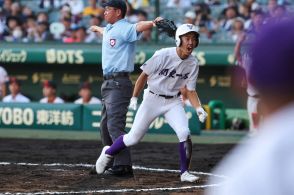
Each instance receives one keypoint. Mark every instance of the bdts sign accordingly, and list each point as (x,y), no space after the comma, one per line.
(58,56)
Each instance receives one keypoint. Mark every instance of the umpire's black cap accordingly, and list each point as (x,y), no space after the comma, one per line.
(120,4)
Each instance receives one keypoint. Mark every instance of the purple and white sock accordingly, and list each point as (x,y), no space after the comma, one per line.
(183,157)
(117,146)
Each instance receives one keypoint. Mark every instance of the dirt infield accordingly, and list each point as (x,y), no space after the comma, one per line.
(30,166)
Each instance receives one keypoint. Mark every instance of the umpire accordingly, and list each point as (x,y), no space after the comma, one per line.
(118,53)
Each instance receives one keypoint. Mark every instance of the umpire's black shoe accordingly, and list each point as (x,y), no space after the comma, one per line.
(120,171)
(93,170)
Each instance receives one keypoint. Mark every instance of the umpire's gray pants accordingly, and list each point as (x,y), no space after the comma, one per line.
(116,94)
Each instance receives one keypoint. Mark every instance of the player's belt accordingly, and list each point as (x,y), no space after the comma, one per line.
(166,96)
(116,75)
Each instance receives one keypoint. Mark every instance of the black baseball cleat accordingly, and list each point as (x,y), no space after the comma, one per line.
(93,170)
(120,171)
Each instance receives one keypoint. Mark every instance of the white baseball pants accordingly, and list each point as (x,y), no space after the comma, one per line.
(252,112)
(153,106)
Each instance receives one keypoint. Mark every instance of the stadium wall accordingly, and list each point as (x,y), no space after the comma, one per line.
(70,64)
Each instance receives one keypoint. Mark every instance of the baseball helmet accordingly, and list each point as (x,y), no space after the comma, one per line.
(184,29)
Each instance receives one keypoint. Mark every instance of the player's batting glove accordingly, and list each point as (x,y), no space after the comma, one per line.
(134,103)
(201,114)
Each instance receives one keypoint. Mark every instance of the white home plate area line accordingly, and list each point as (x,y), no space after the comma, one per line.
(112,190)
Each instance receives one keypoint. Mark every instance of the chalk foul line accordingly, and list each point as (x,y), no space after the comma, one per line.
(112,190)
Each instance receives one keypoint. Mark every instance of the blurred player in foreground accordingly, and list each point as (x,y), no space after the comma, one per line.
(15,92)
(264,164)
(168,71)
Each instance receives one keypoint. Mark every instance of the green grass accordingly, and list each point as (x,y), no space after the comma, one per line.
(206,137)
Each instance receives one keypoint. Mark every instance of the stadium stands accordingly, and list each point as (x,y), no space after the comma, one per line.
(211,15)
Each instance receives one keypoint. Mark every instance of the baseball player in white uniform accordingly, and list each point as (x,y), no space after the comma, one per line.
(244,61)
(253,98)
(15,93)
(241,53)
(166,72)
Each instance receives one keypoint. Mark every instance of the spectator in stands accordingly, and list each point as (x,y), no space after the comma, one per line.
(27,12)
(94,37)
(3,80)
(76,9)
(212,2)
(180,4)
(257,20)
(41,33)
(93,9)
(143,16)
(15,10)
(271,6)
(237,29)
(49,93)
(15,92)
(248,23)
(65,12)
(42,17)
(85,94)
(76,6)
(139,4)
(230,14)
(14,32)
(30,26)
(280,13)
(7,7)
(207,25)
(2,23)
(50,4)
(131,15)
(190,17)
(68,30)
(244,11)
(80,35)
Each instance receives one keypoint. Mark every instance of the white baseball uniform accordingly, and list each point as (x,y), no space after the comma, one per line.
(18,98)
(93,100)
(167,74)
(57,100)
(253,98)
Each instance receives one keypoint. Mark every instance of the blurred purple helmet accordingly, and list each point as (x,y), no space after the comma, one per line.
(272,52)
